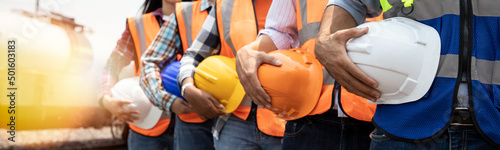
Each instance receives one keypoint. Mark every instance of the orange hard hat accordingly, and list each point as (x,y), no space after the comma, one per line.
(295,86)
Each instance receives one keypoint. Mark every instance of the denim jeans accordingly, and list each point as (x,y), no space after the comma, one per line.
(138,141)
(244,135)
(327,131)
(193,136)
(455,138)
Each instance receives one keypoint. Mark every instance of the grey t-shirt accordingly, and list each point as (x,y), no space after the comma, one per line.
(359,9)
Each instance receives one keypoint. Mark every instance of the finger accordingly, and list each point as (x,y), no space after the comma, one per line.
(202,117)
(128,119)
(247,86)
(187,110)
(268,59)
(344,35)
(218,107)
(133,111)
(249,89)
(244,77)
(253,96)
(357,87)
(121,118)
(133,118)
(124,102)
(355,71)
(259,93)
(358,74)
(186,104)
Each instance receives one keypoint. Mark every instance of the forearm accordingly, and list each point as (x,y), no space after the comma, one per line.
(263,43)
(157,56)
(335,18)
(121,56)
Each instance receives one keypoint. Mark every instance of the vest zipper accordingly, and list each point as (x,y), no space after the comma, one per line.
(464,70)
(255,16)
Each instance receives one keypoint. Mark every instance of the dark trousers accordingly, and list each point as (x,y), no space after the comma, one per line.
(327,131)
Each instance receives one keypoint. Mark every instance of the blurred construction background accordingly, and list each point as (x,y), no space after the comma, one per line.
(62,46)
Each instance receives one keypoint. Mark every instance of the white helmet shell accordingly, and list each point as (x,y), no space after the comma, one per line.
(401,54)
(129,89)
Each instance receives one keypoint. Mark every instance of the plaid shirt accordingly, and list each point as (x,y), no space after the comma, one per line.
(207,41)
(159,54)
(121,56)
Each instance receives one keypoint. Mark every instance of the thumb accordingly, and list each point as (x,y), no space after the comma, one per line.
(124,102)
(266,58)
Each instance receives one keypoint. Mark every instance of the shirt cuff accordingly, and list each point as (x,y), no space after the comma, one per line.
(184,72)
(169,103)
(101,95)
(281,40)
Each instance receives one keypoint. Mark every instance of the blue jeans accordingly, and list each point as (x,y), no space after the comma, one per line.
(138,141)
(455,138)
(244,135)
(193,136)
(327,131)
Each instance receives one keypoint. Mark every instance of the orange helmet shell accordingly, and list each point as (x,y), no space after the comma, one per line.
(295,86)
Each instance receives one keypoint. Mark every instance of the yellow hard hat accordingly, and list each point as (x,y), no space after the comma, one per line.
(217,76)
(295,86)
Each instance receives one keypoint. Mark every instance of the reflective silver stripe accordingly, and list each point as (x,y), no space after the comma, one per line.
(247,101)
(227,10)
(219,125)
(448,66)
(429,9)
(484,71)
(310,30)
(187,13)
(303,12)
(327,78)
(139,27)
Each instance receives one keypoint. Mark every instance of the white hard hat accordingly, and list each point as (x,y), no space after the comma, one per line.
(401,54)
(129,89)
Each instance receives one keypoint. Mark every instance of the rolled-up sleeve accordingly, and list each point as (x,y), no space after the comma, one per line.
(281,24)
(159,54)
(359,9)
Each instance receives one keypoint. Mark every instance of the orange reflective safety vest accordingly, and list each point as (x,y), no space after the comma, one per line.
(189,21)
(309,14)
(238,26)
(143,29)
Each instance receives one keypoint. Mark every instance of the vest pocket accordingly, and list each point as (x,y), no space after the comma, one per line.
(295,128)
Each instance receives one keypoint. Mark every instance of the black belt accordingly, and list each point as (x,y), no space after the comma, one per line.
(461,117)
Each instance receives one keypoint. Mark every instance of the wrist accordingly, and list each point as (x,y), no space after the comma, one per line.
(184,86)
(105,100)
